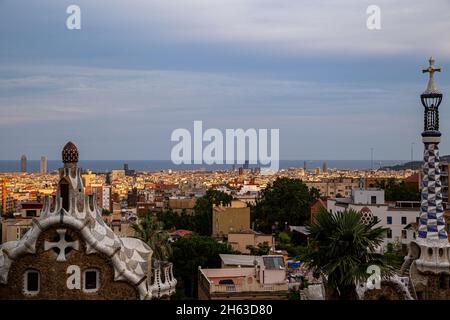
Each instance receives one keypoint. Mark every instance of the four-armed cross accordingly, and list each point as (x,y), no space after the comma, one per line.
(62,244)
(431,88)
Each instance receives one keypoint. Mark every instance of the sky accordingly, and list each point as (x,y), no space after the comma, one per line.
(139,69)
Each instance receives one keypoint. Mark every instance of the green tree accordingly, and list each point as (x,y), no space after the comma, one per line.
(193,251)
(398,191)
(9,214)
(341,249)
(173,220)
(150,230)
(202,219)
(286,200)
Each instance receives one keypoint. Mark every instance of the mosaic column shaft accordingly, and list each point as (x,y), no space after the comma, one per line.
(432,225)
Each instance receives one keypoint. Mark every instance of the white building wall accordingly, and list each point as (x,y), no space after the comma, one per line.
(361,196)
(388,218)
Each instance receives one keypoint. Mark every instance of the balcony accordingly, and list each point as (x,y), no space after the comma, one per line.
(231,288)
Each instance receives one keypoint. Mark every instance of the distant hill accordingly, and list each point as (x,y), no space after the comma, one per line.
(412,165)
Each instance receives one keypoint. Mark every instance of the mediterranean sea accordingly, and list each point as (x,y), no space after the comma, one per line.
(159,165)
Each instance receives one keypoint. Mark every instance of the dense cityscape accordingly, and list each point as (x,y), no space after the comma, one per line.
(234,96)
(175,204)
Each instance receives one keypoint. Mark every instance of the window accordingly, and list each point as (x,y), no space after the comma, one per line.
(403,234)
(32,282)
(91,280)
(373,200)
(403,220)
(273,263)
(64,190)
(31,213)
(389,220)
(389,234)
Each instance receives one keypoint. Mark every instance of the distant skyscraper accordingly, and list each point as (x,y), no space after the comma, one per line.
(128,172)
(43,168)
(325,167)
(23,163)
(246,164)
(304,165)
(108,179)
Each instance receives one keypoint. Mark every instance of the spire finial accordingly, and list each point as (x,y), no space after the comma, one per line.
(431,87)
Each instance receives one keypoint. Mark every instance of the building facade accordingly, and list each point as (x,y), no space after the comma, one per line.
(241,241)
(233,218)
(265,280)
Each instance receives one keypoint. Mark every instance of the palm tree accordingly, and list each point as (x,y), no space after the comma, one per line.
(341,249)
(150,230)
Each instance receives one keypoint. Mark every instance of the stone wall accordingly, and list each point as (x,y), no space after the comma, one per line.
(387,291)
(436,287)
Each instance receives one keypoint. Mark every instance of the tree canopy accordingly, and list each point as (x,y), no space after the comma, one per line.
(398,191)
(285,201)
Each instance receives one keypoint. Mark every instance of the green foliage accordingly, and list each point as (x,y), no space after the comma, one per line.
(202,219)
(398,191)
(286,200)
(395,255)
(284,241)
(294,295)
(9,214)
(193,251)
(284,238)
(259,250)
(150,230)
(173,220)
(341,248)
(106,212)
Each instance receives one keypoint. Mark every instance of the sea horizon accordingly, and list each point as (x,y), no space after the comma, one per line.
(9,166)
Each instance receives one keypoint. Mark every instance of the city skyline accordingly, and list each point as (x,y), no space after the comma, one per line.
(332,87)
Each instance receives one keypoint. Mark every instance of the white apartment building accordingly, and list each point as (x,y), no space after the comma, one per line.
(398,217)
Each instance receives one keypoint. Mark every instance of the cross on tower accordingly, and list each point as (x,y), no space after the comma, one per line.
(431,88)
(62,244)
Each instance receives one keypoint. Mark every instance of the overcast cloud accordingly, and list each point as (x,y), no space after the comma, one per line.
(139,69)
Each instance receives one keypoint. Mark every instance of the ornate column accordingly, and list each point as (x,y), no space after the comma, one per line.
(432,236)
